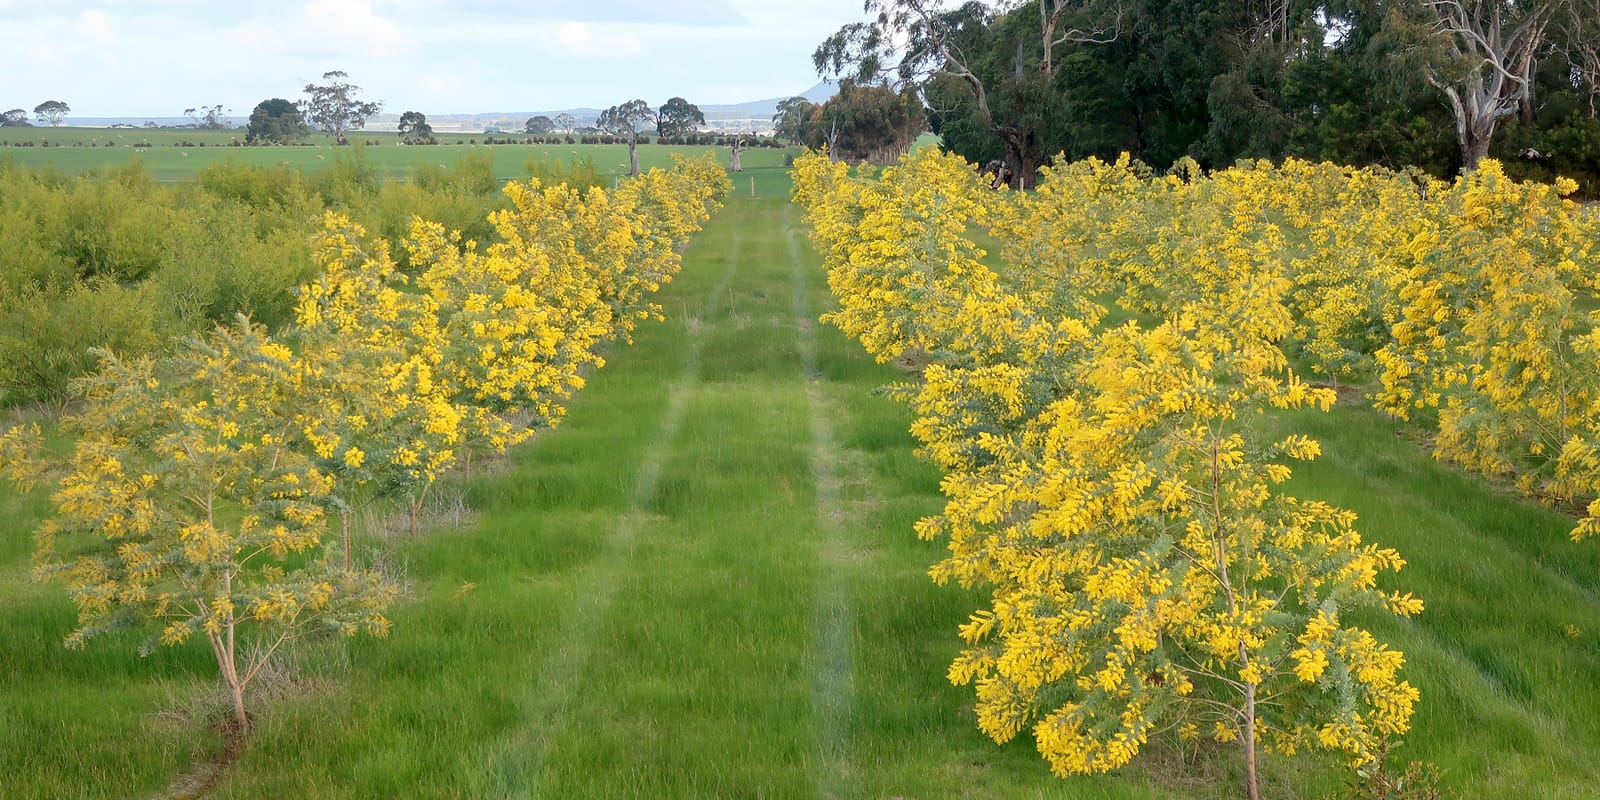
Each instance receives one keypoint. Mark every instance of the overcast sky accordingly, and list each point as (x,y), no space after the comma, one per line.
(112,58)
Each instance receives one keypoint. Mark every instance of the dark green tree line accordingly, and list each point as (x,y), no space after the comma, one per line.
(1436,84)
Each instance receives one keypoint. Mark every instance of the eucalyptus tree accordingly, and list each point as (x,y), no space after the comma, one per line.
(1010,81)
(334,107)
(51,112)
(1481,55)
(678,117)
(626,120)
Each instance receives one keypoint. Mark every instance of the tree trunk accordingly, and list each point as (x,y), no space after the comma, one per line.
(241,719)
(633,155)
(1474,149)
(1251,790)
(1138,130)
(738,150)
(344,526)
(222,646)
(1023,162)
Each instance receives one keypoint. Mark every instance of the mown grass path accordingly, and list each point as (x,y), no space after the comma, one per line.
(705,584)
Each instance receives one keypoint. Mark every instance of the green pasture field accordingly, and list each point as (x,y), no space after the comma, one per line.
(705,584)
(75,150)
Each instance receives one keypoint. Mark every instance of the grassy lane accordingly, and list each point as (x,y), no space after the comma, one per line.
(517,763)
(727,667)
(833,689)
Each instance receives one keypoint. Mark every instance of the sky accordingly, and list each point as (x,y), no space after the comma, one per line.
(139,58)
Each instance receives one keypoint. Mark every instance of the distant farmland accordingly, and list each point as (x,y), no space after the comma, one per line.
(180,153)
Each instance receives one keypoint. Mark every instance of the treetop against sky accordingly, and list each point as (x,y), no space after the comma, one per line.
(158,57)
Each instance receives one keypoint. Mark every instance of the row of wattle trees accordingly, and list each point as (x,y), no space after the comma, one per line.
(113,258)
(200,488)
(1470,305)
(1113,484)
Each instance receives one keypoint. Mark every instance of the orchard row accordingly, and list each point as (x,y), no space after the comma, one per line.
(198,490)
(1116,484)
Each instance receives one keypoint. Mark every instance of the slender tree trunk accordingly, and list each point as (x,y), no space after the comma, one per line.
(633,155)
(413,507)
(344,529)
(240,717)
(1247,736)
(1138,130)
(230,678)
(222,646)
(1251,790)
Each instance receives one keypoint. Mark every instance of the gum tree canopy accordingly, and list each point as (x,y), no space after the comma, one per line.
(276,120)
(333,105)
(678,117)
(625,121)
(51,112)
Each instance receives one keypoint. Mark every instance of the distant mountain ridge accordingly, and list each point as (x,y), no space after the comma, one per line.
(749,116)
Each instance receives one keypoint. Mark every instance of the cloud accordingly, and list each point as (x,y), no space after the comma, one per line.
(677,12)
(435,88)
(327,27)
(579,39)
(94,25)
(42,55)
(94,28)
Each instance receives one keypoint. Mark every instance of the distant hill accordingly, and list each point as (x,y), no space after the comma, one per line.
(753,116)
(816,94)
(140,122)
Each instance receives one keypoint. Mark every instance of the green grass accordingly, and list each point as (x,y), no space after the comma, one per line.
(75,150)
(1507,654)
(705,584)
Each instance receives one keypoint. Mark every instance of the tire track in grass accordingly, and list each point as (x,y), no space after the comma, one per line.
(514,766)
(833,684)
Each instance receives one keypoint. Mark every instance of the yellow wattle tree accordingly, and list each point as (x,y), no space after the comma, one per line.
(1149,574)
(1497,333)
(186,508)
(372,353)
